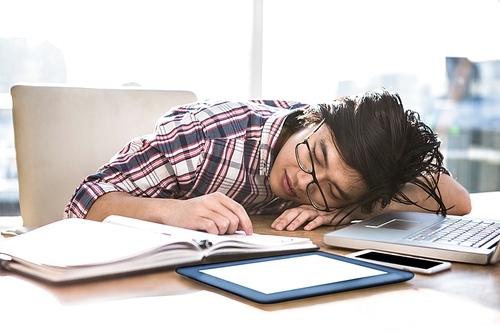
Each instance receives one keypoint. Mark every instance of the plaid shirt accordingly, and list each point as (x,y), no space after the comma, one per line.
(198,149)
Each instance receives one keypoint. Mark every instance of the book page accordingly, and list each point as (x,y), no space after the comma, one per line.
(76,242)
(216,242)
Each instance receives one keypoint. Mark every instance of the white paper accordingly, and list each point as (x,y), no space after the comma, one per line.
(291,273)
(75,242)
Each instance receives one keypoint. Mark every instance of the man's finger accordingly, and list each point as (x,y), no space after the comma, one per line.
(244,222)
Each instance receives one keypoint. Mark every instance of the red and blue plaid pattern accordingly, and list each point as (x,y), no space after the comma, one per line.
(198,149)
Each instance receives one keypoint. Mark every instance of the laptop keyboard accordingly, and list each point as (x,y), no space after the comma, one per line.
(460,231)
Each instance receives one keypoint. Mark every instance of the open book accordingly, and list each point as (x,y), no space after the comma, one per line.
(76,249)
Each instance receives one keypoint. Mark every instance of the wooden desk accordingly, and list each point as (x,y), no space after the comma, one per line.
(460,300)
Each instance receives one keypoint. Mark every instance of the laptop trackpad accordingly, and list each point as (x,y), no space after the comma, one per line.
(396,224)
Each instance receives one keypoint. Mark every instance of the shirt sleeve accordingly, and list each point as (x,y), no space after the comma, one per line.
(161,165)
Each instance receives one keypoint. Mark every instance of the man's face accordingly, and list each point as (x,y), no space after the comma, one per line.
(339,183)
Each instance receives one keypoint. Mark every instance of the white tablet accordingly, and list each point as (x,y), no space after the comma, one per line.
(288,277)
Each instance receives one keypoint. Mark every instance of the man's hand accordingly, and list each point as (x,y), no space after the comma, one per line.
(293,218)
(214,213)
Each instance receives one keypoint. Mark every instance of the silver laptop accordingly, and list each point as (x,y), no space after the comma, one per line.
(452,238)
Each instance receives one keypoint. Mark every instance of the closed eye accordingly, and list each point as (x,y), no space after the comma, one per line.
(330,192)
(318,163)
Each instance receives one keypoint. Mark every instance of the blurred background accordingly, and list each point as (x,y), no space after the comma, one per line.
(443,57)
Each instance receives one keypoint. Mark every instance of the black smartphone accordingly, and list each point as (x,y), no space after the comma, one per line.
(400,261)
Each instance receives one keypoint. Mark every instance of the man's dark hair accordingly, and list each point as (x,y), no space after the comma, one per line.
(388,146)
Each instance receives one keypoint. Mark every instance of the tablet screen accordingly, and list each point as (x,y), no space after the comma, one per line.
(291,273)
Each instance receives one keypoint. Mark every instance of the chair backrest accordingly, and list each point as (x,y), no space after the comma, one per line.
(63,134)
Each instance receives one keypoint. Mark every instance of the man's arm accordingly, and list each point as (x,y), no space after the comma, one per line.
(454,196)
(215,213)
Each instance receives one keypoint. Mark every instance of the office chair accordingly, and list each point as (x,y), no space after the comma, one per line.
(63,134)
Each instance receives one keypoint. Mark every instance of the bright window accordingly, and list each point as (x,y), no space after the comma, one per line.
(312,51)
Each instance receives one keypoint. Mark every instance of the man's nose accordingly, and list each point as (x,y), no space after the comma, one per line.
(303,179)
(321,176)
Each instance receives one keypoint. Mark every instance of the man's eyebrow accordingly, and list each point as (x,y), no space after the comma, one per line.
(324,149)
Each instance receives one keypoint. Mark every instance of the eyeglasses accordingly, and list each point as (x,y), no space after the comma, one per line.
(305,161)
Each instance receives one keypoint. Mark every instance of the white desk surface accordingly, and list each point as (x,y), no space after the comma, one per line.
(463,299)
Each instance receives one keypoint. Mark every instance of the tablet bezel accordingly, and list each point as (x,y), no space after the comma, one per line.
(392,276)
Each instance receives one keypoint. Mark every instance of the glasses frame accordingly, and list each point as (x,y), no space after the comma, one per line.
(311,172)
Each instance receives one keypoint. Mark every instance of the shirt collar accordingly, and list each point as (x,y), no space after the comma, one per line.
(270,133)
